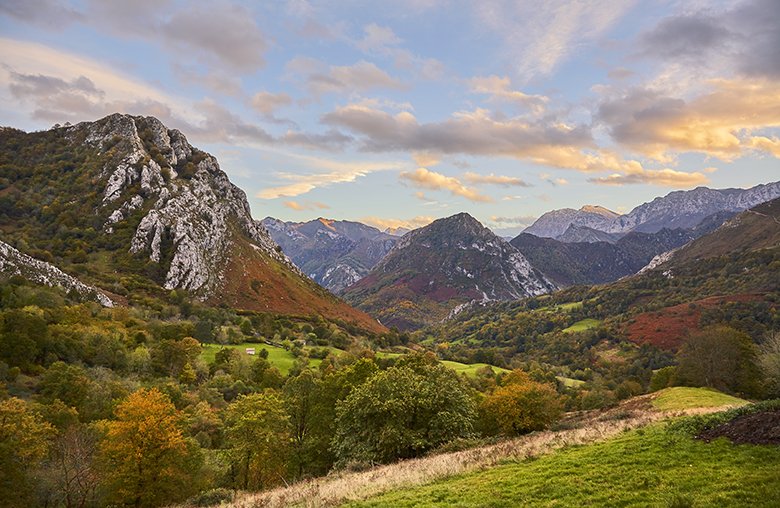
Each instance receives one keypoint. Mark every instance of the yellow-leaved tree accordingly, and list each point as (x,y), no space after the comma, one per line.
(520,405)
(146,460)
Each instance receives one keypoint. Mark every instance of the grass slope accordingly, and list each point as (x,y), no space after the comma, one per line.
(646,467)
(582,325)
(683,397)
(277,356)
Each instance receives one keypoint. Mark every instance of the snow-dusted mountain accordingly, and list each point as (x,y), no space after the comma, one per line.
(336,254)
(553,224)
(436,268)
(678,209)
(685,209)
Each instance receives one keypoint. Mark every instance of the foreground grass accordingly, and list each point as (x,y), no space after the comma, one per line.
(682,397)
(344,487)
(645,467)
(582,325)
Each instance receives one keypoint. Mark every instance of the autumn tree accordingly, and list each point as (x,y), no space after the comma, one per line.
(403,412)
(519,406)
(24,442)
(257,434)
(722,358)
(70,477)
(145,456)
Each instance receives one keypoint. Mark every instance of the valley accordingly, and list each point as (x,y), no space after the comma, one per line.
(447,362)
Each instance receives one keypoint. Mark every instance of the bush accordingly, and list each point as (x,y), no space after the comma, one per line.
(211,497)
(520,406)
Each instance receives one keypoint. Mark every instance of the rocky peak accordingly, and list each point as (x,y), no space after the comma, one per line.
(190,208)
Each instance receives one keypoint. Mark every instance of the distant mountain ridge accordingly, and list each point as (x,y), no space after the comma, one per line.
(678,209)
(598,262)
(335,254)
(436,268)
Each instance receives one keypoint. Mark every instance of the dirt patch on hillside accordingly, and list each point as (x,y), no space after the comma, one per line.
(666,328)
(757,428)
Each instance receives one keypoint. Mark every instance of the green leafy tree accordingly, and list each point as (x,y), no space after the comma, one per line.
(146,459)
(722,358)
(403,412)
(769,361)
(257,433)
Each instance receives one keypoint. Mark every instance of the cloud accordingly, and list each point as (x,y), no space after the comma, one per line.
(538,36)
(266,102)
(308,205)
(718,122)
(48,13)
(377,38)
(426,159)
(500,88)
(548,142)
(222,35)
(744,38)
(427,179)
(320,79)
(523,220)
(383,223)
(334,172)
(493,179)
(216,81)
(663,177)
(552,180)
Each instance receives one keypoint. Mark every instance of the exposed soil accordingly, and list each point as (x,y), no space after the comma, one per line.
(757,428)
(666,328)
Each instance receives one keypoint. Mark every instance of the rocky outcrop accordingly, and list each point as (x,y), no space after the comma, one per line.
(190,207)
(15,263)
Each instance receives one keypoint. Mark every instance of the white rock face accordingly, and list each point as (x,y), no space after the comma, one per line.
(13,262)
(189,222)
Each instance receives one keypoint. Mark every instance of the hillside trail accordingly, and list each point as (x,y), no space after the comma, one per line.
(582,427)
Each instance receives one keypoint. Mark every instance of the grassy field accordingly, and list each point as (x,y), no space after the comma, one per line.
(570,382)
(582,325)
(470,369)
(646,467)
(682,397)
(284,360)
(277,356)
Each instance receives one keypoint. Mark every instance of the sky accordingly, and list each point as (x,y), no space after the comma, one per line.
(397,113)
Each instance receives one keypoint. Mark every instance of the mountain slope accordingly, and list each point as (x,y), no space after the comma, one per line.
(434,269)
(334,253)
(15,263)
(126,196)
(751,230)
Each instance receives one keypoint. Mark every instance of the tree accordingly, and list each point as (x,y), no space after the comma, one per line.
(257,433)
(145,457)
(722,358)
(403,412)
(70,477)
(521,405)
(24,442)
(769,361)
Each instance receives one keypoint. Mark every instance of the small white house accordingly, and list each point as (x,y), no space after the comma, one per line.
(250,350)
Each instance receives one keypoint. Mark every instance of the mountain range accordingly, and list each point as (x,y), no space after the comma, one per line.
(335,254)
(433,270)
(678,209)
